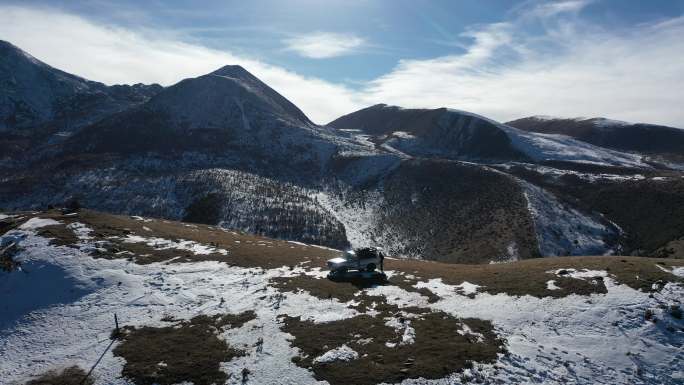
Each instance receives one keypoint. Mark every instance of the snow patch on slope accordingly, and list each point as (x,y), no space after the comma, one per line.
(402,327)
(546,117)
(600,339)
(163,244)
(562,230)
(358,220)
(343,353)
(558,173)
(604,122)
(545,147)
(37,223)
(360,214)
(678,271)
(551,285)
(80,294)
(81,231)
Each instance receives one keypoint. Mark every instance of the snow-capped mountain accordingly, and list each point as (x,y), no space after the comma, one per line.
(33,93)
(42,105)
(225,148)
(227,113)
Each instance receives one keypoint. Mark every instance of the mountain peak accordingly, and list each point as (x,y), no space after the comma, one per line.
(234,71)
(223,94)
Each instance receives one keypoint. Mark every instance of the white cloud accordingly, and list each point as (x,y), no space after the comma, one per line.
(552,8)
(116,55)
(571,69)
(565,68)
(323,45)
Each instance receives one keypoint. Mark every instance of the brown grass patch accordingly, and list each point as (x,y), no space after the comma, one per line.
(438,350)
(60,235)
(8,224)
(345,289)
(220,321)
(69,376)
(188,351)
(322,288)
(529,277)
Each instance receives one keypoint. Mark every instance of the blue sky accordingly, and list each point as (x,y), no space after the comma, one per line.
(501,58)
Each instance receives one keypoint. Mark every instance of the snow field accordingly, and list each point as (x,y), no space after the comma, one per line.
(602,338)
(75,330)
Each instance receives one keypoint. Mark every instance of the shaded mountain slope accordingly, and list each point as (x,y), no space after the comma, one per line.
(454,134)
(41,105)
(648,209)
(33,93)
(439,132)
(228,113)
(439,210)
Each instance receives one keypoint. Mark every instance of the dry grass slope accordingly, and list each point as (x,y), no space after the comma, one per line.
(527,277)
(187,351)
(440,346)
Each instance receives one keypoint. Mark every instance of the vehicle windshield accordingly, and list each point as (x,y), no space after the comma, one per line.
(350,256)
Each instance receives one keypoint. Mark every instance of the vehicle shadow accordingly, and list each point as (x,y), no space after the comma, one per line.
(360,279)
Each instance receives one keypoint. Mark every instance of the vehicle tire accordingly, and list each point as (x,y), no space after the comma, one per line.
(370,267)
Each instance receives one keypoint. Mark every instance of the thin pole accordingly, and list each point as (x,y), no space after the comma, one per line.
(116,323)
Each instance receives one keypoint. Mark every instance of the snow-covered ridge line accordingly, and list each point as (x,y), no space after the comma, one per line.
(544,147)
(588,176)
(601,122)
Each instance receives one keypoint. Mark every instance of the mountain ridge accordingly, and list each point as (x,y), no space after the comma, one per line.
(41,90)
(226,149)
(647,138)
